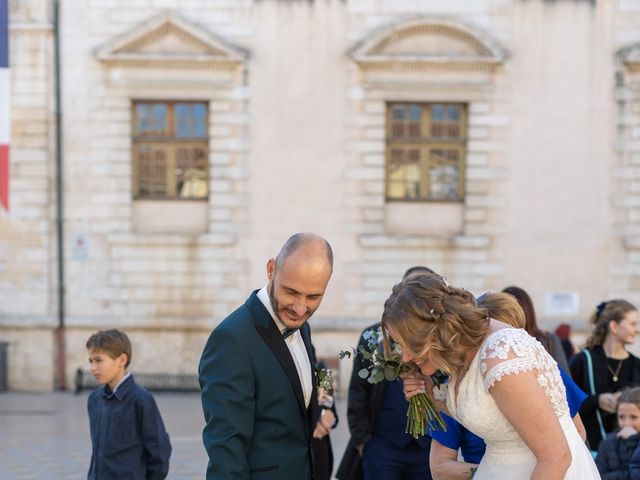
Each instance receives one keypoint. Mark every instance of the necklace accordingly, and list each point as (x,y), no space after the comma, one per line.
(615,374)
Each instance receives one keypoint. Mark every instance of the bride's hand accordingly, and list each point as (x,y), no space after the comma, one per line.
(413,385)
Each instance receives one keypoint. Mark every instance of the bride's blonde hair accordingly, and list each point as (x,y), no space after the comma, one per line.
(434,318)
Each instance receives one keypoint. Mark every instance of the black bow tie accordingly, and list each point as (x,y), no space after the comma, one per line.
(288,332)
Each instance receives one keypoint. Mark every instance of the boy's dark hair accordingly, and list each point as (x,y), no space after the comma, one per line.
(112,342)
(630,395)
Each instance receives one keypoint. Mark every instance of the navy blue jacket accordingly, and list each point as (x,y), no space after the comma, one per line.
(614,456)
(634,465)
(129,441)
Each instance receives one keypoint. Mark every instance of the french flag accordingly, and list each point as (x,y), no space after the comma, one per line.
(5,125)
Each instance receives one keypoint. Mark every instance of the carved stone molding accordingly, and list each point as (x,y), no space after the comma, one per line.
(629,57)
(171,41)
(459,47)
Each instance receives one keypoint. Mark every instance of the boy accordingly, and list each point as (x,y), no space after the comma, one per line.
(127,434)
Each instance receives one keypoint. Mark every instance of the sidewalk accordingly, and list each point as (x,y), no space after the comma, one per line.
(46,436)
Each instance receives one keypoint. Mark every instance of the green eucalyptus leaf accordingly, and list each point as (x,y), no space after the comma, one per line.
(390,373)
(364,373)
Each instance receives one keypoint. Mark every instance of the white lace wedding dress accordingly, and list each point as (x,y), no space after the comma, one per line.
(507,456)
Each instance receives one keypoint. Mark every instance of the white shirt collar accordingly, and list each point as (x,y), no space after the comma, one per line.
(124,377)
(263,296)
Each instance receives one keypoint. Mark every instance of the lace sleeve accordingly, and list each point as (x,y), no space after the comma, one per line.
(508,352)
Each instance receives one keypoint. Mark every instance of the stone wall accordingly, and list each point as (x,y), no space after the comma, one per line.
(297,95)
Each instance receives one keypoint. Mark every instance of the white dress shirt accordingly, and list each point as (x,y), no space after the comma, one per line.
(124,377)
(296,347)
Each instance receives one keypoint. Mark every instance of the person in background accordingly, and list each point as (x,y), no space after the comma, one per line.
(564,334)
(549,341)
(615,451)
(445,444)
(128,437)
(379,448)
(605,366)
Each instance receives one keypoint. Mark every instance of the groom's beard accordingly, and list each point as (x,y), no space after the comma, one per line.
(275,305)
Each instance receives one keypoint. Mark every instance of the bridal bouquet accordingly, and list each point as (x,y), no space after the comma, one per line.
(382,367)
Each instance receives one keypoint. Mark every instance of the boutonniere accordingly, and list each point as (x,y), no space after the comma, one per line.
(324,379)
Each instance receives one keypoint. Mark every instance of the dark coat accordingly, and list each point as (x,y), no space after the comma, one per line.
(321,447)
(364,404)
(634,465)
(552,344)
(257,425)
(614,456)
(580,374)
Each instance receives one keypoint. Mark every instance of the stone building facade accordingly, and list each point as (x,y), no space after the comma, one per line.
(323,115)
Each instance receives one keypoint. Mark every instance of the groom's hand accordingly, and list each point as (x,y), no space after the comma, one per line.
(325,423)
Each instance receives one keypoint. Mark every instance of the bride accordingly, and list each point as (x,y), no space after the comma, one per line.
(503,385)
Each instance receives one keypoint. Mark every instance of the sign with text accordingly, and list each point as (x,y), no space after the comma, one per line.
(561,304)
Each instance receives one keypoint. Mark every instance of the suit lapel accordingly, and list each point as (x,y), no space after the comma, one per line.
(273,338)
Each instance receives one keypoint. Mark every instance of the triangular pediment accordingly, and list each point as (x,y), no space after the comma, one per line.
(170,40)
(428,42)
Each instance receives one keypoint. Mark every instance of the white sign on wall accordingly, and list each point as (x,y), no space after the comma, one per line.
(80,247)
(561,304)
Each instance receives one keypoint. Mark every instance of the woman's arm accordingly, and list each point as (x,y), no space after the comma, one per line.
(526,406)
(445,465)
(577,421)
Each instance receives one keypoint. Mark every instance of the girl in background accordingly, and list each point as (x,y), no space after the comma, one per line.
(605,366)
(616,450)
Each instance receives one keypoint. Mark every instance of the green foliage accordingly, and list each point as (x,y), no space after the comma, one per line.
(387,365)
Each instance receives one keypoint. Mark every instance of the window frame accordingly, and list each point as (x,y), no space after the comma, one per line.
(424,144)
(170,144)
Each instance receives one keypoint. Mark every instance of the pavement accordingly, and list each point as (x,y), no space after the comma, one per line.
(45,436)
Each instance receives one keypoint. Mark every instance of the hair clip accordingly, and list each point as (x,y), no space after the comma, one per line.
(601,306)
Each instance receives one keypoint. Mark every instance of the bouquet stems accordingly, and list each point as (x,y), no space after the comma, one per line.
(421,411)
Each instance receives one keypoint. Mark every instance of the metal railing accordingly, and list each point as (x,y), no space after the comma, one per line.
(159,382)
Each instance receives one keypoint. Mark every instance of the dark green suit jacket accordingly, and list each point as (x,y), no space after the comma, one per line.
(257,426)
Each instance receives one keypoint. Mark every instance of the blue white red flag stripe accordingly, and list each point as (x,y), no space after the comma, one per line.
(5,119)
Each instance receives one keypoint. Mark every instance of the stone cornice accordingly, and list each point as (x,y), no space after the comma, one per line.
(30,27)
(160,61)
(489,55)
(397,62)
(629,57)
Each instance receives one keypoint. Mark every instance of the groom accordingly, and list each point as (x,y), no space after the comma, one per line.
(256,373)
